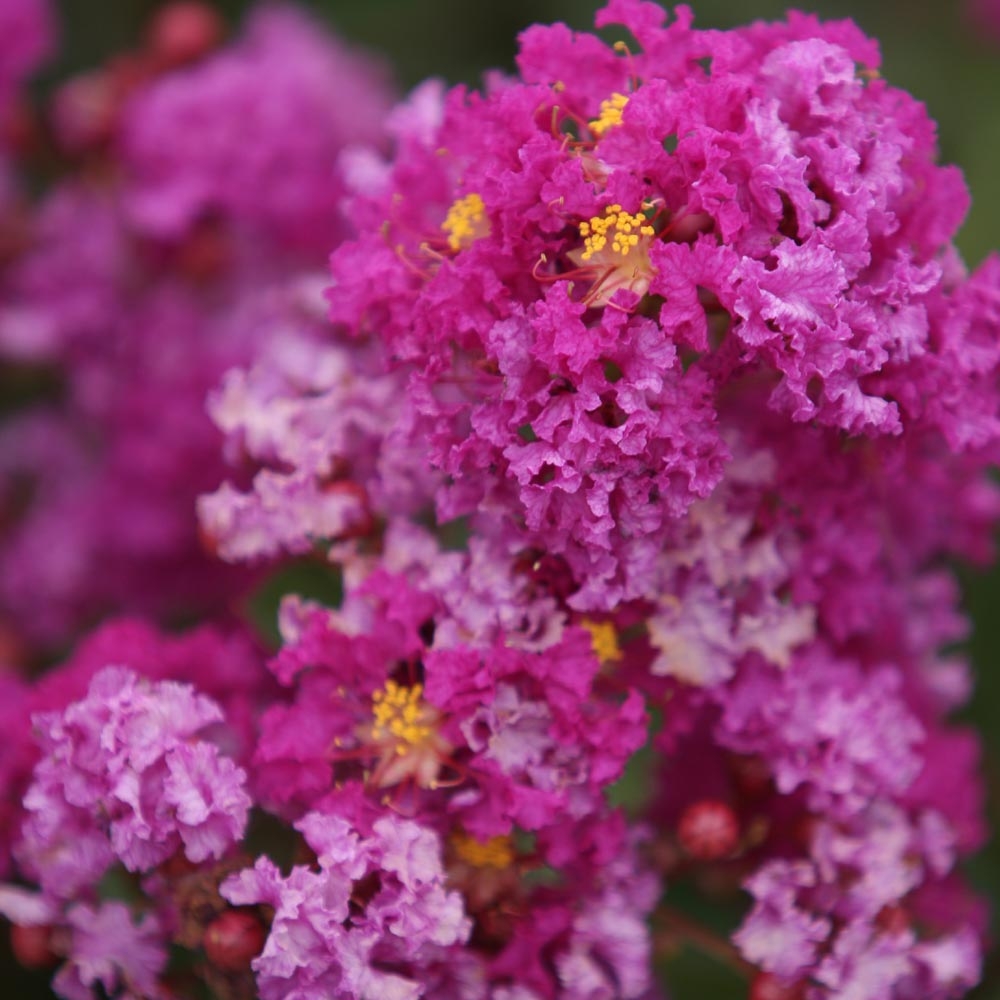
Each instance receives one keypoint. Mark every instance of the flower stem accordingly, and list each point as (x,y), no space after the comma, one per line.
(671,925)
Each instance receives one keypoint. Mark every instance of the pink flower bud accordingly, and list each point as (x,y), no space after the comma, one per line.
(32,945)
(769,987)
(708,830)
(184,31)
(232,939)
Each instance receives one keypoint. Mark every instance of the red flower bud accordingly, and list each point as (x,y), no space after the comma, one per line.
(769,987)
(32,946)
(708,830)
(232,939)
(184,31)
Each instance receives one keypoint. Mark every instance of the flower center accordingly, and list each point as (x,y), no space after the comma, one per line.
(622,229)
(466,222)
(603,640)
(497,852)
(615,252)
(610,116)
(401,717)
(405,734)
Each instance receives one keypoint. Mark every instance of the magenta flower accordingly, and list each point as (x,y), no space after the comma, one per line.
(321,945)
(180,252)
(652,408)
(122,778)
(27,31)
(185,143)
(597,264)
(110,950)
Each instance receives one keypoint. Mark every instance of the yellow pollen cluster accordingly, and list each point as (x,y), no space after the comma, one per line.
(603,640)
(466,221)
(610,116)
(496,852)
(620,227)
(400,715)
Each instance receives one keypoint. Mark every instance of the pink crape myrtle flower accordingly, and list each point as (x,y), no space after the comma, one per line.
(236,681)
(320,945)
(181,249)
(27,29)
(636,430)
(123,778)
(682,333)
(126,779)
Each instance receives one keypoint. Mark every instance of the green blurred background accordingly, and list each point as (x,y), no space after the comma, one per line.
(932,48)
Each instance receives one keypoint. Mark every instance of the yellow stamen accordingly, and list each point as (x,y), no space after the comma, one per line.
(497,852)
(610,116)
(400,715)
(405,734)
(466,222)
(621,228)
(603,640)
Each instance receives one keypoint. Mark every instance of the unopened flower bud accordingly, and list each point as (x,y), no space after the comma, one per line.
(232,939)
(708,830)
(767,986)
(184,31)
(32,945)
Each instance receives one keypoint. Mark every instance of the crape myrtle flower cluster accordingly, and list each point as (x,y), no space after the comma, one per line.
(647,409)
(169,250)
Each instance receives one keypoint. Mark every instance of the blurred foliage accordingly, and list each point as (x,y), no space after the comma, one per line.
(930,48)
